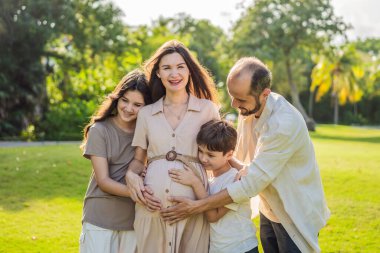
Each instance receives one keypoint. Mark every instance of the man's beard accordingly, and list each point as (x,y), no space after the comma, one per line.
(254,110)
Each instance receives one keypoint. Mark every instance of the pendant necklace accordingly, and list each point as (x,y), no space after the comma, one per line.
(180,115)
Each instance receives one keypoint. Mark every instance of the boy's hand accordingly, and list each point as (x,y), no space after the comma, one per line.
(185,177)
(234,162)
(241,173)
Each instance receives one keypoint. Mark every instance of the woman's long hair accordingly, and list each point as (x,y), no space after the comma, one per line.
(134,81)
(200,82)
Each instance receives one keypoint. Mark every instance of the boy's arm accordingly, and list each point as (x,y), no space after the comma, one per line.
(214,215)
(198,188)
(187,177)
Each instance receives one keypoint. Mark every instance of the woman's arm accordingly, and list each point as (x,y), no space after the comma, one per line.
(105,183)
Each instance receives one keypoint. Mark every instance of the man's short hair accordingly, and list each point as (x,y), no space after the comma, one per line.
(217,135)
(261,76)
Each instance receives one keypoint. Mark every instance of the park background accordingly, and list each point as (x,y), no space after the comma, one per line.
(60,58)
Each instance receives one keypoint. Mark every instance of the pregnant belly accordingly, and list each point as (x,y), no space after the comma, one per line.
(157,178)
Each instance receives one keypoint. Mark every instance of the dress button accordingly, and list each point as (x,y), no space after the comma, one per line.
(167,190)
(173,148)
(170,244)
(173,135)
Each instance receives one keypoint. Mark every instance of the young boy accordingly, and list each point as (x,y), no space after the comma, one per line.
(231,227)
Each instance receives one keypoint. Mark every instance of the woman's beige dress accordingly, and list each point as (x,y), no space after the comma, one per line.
(154,134)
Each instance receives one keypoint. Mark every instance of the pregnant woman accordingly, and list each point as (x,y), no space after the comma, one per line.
(183,95)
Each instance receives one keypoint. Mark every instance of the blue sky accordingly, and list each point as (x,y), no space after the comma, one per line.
(363,15)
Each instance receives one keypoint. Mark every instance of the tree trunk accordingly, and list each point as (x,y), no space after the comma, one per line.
(311,103)
(295,97)
(336,109)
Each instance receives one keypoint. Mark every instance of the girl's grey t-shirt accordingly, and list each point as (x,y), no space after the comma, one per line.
(102,209)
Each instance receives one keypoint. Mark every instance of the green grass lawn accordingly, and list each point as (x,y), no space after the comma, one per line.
(349,160)
(42,188)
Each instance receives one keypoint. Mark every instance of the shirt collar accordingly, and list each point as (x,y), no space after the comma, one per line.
(268,108)
(194,105)
(158,106)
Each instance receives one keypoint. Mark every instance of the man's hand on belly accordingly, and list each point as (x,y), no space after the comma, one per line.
(183,209)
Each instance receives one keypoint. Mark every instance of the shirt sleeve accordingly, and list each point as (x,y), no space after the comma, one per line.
(274,150)
(233,206)
(140,138)
(215,112)
(96,144)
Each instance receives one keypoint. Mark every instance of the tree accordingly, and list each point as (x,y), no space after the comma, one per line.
(25,29)
(371,48)
(88,58)
(56,38)
(340,73)
(281,30)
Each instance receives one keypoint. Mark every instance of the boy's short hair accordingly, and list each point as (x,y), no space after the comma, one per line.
(217,135)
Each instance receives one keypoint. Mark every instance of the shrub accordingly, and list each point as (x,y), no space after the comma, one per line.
(65,121)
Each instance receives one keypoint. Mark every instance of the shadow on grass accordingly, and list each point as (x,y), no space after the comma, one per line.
(34,173)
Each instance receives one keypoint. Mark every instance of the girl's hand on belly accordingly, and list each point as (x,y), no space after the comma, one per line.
(152,203)
(135,186)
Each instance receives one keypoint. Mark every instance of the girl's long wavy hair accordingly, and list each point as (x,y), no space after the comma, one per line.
(134,81)
(200,83)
